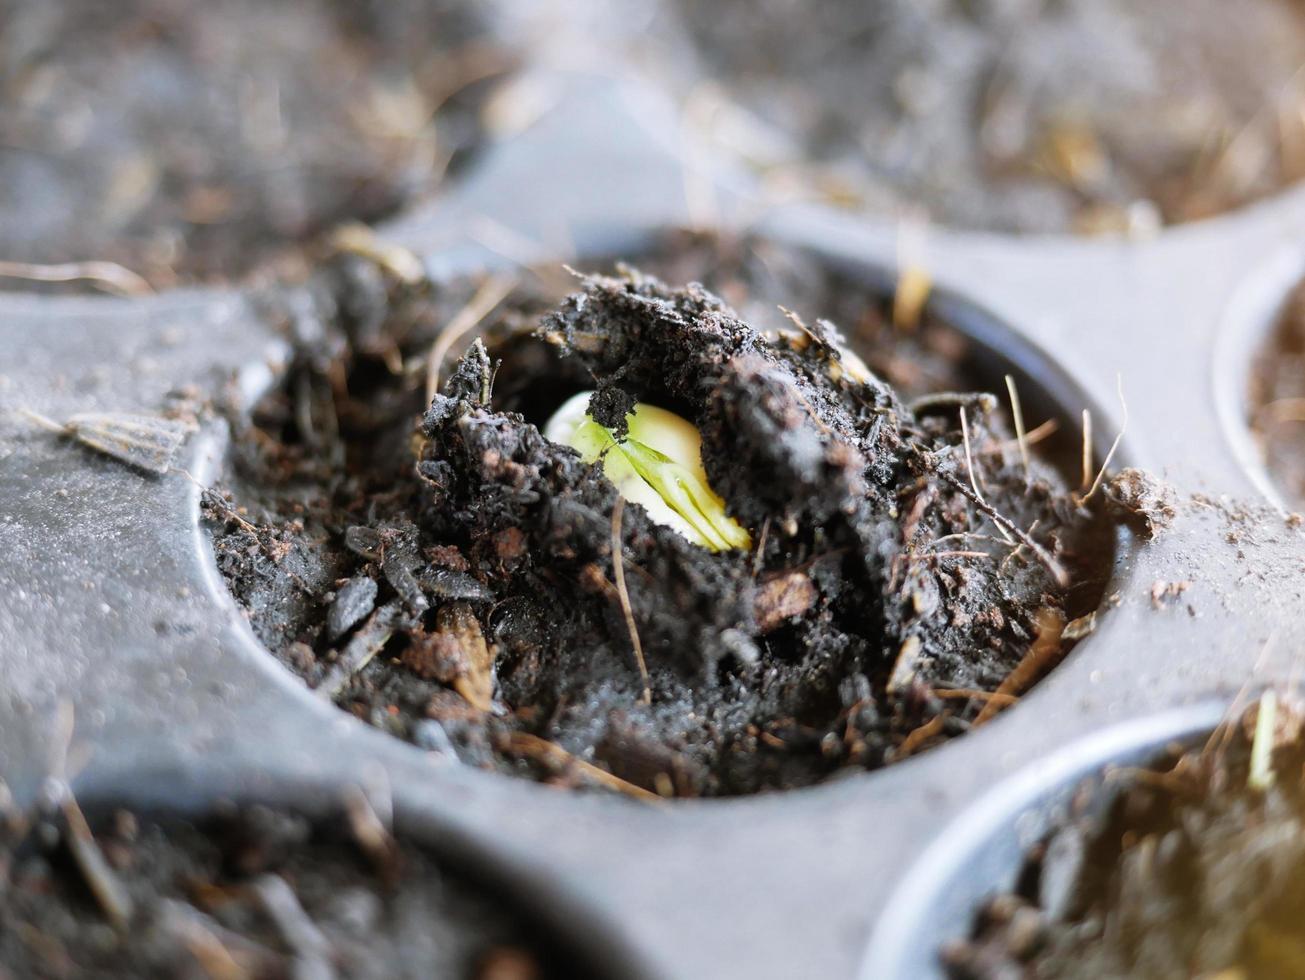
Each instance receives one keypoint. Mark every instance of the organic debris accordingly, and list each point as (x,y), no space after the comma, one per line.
(518,593)
(1143,500)
(147,442)
(1195,867)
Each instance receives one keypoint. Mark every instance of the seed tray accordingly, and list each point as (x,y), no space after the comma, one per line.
(110,600)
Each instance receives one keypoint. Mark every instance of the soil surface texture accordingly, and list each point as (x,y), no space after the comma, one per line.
(192,139)
(1277,399)
(249,892)
(1013,115)
(445,573)
(1190,869)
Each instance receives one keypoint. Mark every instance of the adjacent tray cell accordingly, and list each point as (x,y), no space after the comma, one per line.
(199,140)
(879,563)
(1081,116)
(247,891)
(1190,867)
(1277,399)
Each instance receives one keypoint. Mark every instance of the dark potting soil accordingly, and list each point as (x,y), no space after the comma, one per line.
(249,892)
(1188,872)
(1016,115)
(192,139)
(449,576)
(1277,399)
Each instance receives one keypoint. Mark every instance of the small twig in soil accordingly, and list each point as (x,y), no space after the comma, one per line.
(934,555)
(962,400)
(798,322)
(311,949)
(371,834)
(222,953)
(966,694)
(1017,414)
(969,455)
(491,292)
(110,894)
(555,757)
(760,553)
(212,956)
(820,424)
(1006,525)
(1110,455)
(110,276)
(962,535)
(1045,648)
(214,499)
(618,572)
(1019,547)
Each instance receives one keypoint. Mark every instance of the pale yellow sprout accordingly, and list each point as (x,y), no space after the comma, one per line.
(658,465)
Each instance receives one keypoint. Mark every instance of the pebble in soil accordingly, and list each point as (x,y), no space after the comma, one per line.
(448,574)
(248,892)
(1190,868)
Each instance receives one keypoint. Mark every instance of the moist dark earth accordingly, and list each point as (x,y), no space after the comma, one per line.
(1187,872)
(1012,115)
(190,139)
(443,572)
(247,892)
(1277,399)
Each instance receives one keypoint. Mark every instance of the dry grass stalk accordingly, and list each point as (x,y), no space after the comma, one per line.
(1017,414)
(969,455)
(109,276)
(491,292)
(1114,446)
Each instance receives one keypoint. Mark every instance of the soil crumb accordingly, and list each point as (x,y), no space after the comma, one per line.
(1082,115)
(247,892)
(1277,400)
(445,573)
(1147,502)
(1192,868)
(190,139)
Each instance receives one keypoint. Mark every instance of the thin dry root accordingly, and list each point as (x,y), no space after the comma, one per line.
(109,276)
(1114,446)
(618,572)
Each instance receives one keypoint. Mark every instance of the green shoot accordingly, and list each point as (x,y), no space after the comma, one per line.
(1260,777)
(658,466)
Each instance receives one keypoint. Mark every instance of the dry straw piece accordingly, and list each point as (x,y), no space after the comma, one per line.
(147,442)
